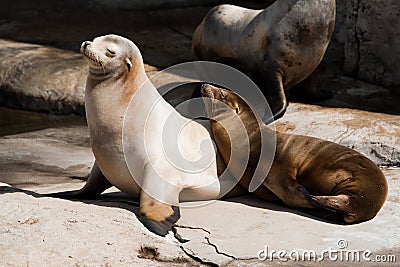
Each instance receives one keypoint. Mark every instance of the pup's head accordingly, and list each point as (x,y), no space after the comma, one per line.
(224,102)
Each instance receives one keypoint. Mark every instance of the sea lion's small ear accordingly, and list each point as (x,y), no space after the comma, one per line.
(128,64)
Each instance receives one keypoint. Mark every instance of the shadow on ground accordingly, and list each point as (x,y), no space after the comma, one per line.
(123,201)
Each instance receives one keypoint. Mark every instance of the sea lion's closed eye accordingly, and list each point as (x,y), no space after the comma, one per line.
(128,64)
(110,53)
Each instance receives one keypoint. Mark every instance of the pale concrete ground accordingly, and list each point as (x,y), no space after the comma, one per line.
(223,232)
(46,153)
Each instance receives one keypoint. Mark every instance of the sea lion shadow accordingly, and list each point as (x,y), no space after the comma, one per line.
(10,190)
(324,216)
(123,201)
(116,200)
(112,200)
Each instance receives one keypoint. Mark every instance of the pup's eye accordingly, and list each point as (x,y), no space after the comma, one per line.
(237,110)
(110,53)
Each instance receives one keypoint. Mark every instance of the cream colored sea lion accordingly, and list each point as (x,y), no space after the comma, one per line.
(132,129)
(277,47)
(306,172)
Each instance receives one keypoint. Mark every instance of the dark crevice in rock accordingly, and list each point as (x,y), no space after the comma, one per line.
(389,155)
(397,165)
(381,154)
(356,36)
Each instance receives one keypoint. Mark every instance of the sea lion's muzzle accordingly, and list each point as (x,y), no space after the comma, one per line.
(207,91)
(84,46)
(91,55)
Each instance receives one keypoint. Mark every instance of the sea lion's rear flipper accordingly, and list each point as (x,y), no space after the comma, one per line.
(339,204)
(95,185)
(155,222)
(159,203)
(156,216)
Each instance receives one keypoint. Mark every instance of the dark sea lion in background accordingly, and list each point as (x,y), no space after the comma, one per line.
(306,172)
(278,47)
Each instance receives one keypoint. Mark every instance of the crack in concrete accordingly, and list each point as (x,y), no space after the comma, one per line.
(192,228)
(343,135)
(198,259)
(217,250)
(178,236)
(190,253)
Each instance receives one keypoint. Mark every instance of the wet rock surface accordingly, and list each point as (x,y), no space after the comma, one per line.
(372,48)
(41,78)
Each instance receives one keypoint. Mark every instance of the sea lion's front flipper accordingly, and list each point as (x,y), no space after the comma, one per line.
(275,93)
(286,187)
(95,185)
(159,203)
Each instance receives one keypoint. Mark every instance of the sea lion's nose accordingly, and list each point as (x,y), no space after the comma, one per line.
(206,90)
(85,44)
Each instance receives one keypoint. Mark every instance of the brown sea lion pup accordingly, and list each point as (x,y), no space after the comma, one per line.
(277,47)
(306,172)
